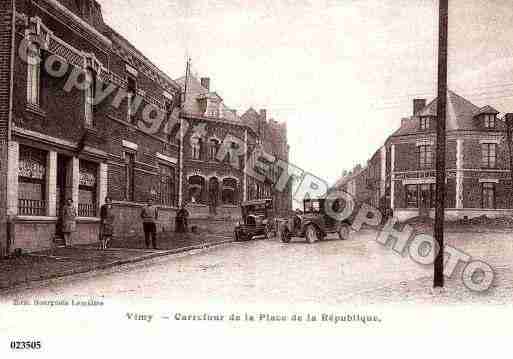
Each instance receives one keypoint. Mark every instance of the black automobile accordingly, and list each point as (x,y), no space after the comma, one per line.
(314,223)
(257,220)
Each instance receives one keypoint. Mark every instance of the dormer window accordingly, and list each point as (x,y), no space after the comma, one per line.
(489,120)
(424,122)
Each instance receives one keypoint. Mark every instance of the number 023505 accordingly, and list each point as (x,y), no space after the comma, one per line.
(26,345)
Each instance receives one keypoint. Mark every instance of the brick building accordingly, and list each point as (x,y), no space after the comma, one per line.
(400,177)
(213,183)
(84,114)
(271,137)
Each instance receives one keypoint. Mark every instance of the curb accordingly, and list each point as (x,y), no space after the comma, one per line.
(89,269)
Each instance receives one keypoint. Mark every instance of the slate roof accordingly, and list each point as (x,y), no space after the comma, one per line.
(486,109)
(460,115)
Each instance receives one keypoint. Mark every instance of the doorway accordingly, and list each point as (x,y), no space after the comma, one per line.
(60,191)
(425,199)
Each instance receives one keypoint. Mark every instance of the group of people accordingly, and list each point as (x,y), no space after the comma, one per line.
(149,216)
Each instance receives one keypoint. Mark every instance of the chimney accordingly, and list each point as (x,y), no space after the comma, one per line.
(418,105)
(91,12)
(263,115)
(205,82)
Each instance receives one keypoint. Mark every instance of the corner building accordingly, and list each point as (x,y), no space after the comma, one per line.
(400,177)
(56,144)
(59,145)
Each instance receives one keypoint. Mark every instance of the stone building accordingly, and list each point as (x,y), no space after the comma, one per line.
(84,114)
(401,174)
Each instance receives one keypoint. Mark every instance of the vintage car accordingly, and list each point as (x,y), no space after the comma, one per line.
(313,223)
(257,220)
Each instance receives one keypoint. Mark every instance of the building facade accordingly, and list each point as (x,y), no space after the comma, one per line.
(85,115)
(219,152)
(402,172)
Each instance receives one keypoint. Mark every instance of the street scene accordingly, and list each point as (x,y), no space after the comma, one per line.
(270,178)
(291,153)
(356,271)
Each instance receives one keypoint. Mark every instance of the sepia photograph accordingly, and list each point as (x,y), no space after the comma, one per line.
(256,178)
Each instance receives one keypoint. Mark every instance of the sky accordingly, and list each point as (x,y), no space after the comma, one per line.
(341,74)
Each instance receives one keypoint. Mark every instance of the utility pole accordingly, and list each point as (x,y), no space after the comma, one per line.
(182,134)
(438,277)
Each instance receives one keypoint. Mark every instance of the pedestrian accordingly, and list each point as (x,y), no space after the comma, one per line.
(149,215)
(181,225)
(107,223)
(69,215)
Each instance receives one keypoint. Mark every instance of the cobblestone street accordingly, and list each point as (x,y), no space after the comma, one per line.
(359,270)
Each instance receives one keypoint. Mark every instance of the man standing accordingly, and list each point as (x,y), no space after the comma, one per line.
(107,223)
(149,215)
(69,215)
(181,225)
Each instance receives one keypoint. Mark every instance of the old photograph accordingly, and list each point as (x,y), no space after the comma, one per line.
(183,175)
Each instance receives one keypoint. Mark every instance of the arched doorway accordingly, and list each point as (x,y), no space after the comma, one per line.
(196,186)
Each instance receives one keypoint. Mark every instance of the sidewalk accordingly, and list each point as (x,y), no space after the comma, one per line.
(59,262)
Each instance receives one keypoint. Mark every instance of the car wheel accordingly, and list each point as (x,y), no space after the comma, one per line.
(285,236)
(312,235)
(343,232)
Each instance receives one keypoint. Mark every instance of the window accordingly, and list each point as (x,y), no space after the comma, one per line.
(489,152)
(31,182)
(411,196)
(424,123)
(196,144)
(425,154)
(87,203)
(129,175)
(196,189)
(229,194)
(232,150)
(169,106)
(488,195)
(432,188)
(214,147)
(489,121)
(33,75)
(132,91)
(89,98)
(421,195)
(312,206)
(167,188)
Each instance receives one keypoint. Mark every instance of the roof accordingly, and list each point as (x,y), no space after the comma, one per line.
(460,115)
(116,37)
(345,179)
(486,110)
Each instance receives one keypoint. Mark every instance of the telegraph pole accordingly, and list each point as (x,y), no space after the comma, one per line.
(438,278)
(182,105)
